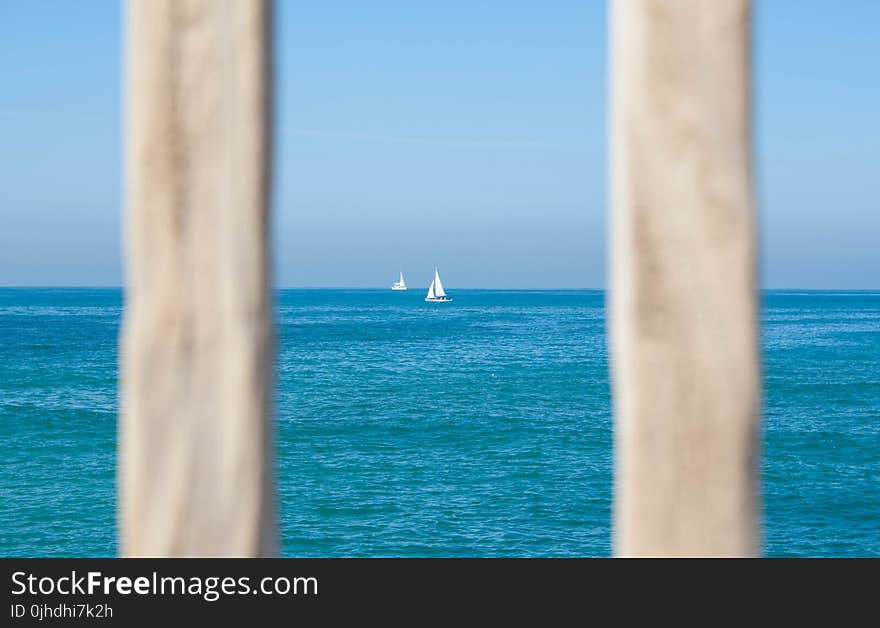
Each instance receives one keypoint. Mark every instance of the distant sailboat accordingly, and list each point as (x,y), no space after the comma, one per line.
(436,293)
(399,285)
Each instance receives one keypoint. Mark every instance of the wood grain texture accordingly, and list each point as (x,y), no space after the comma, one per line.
(683,293)
(195,438)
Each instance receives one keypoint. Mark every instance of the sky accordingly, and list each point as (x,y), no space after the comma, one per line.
(467,135)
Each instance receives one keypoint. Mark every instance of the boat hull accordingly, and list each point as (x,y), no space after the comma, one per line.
(403,289)
(436,300)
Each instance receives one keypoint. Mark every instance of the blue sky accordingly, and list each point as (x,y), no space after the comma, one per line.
(471,135)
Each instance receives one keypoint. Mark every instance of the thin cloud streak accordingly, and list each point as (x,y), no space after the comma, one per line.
(420,141)
(29,113)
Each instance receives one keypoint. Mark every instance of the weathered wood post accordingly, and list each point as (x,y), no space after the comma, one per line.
(683,294)
(195,438)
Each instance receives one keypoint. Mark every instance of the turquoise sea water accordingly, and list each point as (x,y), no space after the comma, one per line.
(476,428)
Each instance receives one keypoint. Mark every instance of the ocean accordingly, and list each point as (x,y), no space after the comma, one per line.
(480,427)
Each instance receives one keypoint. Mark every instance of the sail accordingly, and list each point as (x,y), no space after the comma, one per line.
(402,282)
(431,291)
(438,287)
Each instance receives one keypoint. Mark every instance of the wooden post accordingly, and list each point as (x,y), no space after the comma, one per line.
(683,294)
(195,438)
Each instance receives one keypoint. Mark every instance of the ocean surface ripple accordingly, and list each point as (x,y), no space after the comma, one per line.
(480,427)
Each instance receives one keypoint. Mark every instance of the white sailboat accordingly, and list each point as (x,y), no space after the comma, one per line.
(399,285)
(436,293)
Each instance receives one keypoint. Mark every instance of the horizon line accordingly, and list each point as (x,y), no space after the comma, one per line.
(523,289)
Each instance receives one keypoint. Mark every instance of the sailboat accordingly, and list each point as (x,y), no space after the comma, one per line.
(399,285)
(436,293)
